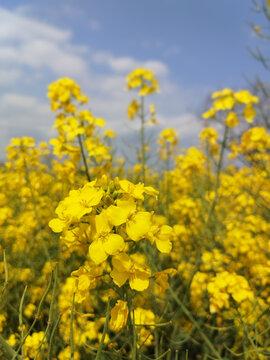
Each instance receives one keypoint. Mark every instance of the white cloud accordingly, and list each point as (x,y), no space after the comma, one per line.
(14,27)
(18,101)
(9,77)
(126,63)
(113,85)
(29,48)
(22,115)
(18,109)
(44,53)
(27,42)
(187,124)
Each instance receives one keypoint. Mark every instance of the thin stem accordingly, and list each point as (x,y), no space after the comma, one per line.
(195,323)
(143,157)
(52,336)
(105,329)
(6,275)
(166,179)
(21,318)
(84,158)
(50,319)
(71,329)
(134,335)
(36,318)
(219,168)
(7,349)
(160,357)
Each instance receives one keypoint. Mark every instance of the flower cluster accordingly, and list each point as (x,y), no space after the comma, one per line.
(101,260)
(233,102)
(104,218)
(144,80)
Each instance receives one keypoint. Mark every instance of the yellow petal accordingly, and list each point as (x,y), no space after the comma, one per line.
(119,314)
(119,278)
(96,252)
(139,280)
(164,246)
(57,225)
(121,262)
(102,223)
(139,225)
(113,244)
(149,190)
(83,283)
(117,215)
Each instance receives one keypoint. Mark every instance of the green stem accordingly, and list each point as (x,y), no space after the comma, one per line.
(50,319)
(134,335)
(143,157)
(36,318)
(105,329)
(52,337)
(21,318)
(219,168)
(195,323)
(6,276)
(160,357)
(167,188)
(71,330)
(7,349)
(84,158)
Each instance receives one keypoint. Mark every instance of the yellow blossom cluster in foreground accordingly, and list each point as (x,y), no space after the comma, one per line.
(102,261)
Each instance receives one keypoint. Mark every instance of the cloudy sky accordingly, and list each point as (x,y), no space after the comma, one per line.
(194,46)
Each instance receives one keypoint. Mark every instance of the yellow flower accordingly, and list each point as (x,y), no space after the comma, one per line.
(152,109)
(139,225)
(170,135)
(226,102)
(144,317)
(61,93)
(105,241)
(162,237)
(231,119)
(144,80)
(209,135)
(65,354)
(162,278)
(124,269)
(86,279)
(109,134)
(29,309)
(152,119)
(119,314)
(77,204)
(244,97)
(137,190)
(249,113)
(32,343)
(225,284)
(133,109)
(221,93)
(255,138)
(209,114)
(12,340)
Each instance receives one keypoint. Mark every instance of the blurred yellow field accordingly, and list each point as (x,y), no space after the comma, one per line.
(100,260)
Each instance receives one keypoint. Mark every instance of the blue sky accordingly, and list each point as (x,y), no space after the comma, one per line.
(194,46)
